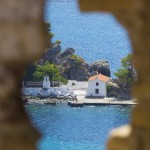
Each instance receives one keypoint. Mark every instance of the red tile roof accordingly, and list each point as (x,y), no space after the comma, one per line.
(100,77)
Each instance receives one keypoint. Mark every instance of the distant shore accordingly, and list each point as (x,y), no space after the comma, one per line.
(80,99)
(36,100)
(80,91)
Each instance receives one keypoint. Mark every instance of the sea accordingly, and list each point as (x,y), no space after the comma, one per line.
(67,128)
(94,36)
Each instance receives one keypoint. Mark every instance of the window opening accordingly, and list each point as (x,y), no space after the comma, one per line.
(96,91)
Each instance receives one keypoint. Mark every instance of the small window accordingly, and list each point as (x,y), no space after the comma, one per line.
(97,84)
(96,91)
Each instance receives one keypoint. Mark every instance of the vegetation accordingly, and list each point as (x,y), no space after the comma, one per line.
(49,34)
(109,87)
(37,72)
(124,74)
(48,69)
(77,59)
(58,42)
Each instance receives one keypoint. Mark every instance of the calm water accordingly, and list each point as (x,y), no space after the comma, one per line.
(66,128)
(95,36)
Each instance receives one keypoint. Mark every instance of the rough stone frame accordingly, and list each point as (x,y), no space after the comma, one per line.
(135,16)
(22,39)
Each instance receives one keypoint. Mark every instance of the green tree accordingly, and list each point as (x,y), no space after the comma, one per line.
(126,62)
(32,67)
(30,73)
(58,42)
(124,74)
(48,69)
(49,34)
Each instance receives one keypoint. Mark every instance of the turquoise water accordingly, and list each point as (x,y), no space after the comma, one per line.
(95,36)
(67,128)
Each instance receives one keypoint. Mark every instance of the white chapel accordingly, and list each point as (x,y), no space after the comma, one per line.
(97,86)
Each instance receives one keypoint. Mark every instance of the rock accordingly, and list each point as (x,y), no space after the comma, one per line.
(59,93)
(70,65)
(112,89)
(76,69)
(50,55)
(68,52)
(62,58)
(124,94)
(94,73)
(101,66)
(55,56)
(56,50)
(73,67)
(79,69)
(118,91)
(44,93)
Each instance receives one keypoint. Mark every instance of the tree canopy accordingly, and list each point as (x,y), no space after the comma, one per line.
(37,72)
(48,69)
(124,74)
(49,34)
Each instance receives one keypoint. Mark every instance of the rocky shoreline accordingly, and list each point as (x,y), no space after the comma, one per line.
(80,99)
(48,101)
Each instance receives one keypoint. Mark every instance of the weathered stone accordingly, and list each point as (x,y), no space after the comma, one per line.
(21,41)
(112,89)
(101,66)
(54,55)
(70,67)
(68,52)
(51,55)
(142,113)
(19,45)
(119,138)
(108,5)
(78,70)
(21,10)
(118,91)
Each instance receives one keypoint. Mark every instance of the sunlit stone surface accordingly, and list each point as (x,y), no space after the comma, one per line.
(21,41)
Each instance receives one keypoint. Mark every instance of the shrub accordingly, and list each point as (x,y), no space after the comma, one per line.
(50,70)
(77,59)
(124,74)
(58,42)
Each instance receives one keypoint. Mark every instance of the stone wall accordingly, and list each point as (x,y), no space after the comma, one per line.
(135,16)
(21,41)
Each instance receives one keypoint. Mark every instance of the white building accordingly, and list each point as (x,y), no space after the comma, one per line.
(34,91)
(44,90)
(46,82)
(97,86)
